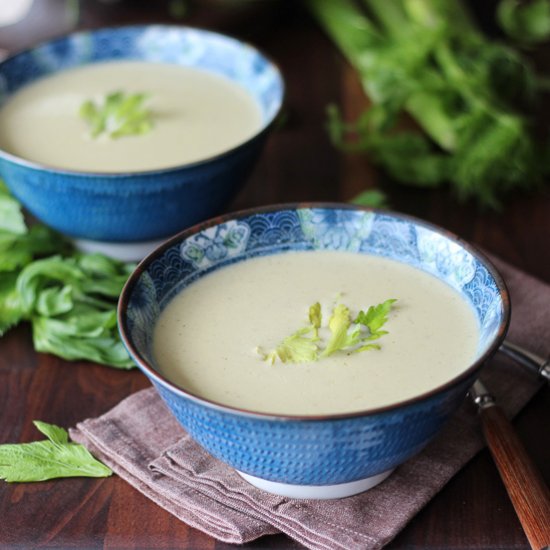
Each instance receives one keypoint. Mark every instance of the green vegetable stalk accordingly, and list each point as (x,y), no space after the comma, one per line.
(469,95)
(69,298)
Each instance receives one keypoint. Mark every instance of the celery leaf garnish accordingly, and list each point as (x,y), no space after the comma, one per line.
(299,347)
(119,115)
(315,318)
(376,316)
(345,335)
(340,338)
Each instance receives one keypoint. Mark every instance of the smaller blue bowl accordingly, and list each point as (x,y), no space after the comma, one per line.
(150,205)
(312,456)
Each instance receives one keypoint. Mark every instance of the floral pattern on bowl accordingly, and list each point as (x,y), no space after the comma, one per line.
(216,244)
(329,451)
(159,203)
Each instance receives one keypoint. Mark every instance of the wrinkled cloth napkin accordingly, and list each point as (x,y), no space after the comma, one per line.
(143,443)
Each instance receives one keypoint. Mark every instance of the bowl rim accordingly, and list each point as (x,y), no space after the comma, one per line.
(152,374)
(264,128)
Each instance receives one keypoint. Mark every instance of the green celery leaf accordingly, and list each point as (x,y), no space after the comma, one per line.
(74,339)
(494,156)
(315,318)
(376,316)
(508,80)
(16,251)
(305,345)
(469,96)
(70,301)
(102,266)
(409,158)
(55,457)
(340,339)
(299,347)
(103,276)
(525,22)
(11,216)
(54,433)
(373,198)
(118,115)
(13,253)
(11,310)
(110,287)
(68,319)
(53,301)
(46,272)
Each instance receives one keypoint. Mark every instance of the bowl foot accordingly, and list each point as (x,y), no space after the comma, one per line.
(126,252)
(323,492)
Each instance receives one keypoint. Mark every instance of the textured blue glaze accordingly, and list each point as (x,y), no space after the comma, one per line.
(147,205)
(315,452)
(311,451)
(136,207)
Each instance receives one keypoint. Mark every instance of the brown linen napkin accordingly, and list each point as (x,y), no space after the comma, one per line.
(141,441)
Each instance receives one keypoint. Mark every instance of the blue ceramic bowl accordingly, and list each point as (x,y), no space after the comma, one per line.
(139,206)
(306,456)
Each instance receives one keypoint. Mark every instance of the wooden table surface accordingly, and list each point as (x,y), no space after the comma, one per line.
(472,511)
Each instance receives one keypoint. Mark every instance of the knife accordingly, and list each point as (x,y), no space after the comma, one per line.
(523,481)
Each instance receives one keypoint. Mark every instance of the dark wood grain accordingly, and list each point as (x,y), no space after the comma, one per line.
(472,512)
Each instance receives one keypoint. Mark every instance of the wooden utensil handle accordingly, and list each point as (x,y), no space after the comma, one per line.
(525,485)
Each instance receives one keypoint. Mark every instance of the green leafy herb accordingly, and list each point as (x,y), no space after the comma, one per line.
(472,98)
(315,318)
(339,324)
(525,22)
(299,347)
(376,316)
(69,298)
(305,345)
(11,217)
(72,307)
(119,115)
(178,8)
(52,458)
(373,198)
(11,310)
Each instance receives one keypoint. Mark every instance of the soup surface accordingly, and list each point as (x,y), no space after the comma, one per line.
(196,115)
(206,338)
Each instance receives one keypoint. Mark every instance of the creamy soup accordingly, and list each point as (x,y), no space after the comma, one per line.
(205,340)
(196,115)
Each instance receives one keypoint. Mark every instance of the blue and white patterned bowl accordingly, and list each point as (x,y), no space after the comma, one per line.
(139,206)
(322,456)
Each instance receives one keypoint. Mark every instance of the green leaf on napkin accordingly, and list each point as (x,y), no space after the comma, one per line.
(119,115)
(52,458)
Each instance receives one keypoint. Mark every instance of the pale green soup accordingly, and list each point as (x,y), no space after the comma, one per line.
(196,115)
(205,340)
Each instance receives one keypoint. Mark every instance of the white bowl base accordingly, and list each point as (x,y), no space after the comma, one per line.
(125,252)
(322,492)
